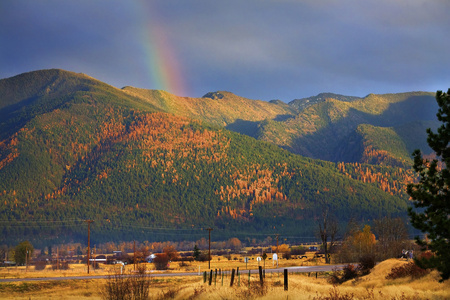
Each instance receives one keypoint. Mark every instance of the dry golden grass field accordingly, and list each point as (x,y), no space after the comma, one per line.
(301,286)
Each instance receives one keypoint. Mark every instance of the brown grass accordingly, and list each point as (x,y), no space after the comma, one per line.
(372,286)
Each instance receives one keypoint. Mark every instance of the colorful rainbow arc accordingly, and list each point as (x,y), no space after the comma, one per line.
(161,61)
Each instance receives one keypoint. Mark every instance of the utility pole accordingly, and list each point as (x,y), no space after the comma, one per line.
(93,256)
(277,250)
(57,259)
(89,243)
(277,245)
(26,259)
(209,248)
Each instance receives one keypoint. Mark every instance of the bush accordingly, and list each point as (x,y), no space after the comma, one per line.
(348,272)
(62,265)
(184,264)
(171,293)
(366,263)
(119,286)
(203,256)
(40,265)
(298,250)
(409,269)
(161,261)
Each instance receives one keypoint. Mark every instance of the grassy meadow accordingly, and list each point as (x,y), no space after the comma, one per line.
(301,285)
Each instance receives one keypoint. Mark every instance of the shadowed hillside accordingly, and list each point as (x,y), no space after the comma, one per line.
(327,126)
(338,131)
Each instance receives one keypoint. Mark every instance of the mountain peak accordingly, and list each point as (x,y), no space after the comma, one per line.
(303,103)
(216,95)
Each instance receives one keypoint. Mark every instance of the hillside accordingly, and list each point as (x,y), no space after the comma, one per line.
(348,131)
(301,104)
(217,108)
(327,126)
(74,148)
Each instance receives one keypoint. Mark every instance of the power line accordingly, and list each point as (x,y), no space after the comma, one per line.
(41,221)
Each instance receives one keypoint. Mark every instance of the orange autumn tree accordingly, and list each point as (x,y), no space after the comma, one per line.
(357,245)
(364,241)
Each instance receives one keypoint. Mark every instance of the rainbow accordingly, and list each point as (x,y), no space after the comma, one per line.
(162,65)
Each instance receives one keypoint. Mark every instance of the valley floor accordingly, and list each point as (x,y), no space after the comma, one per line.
(301,286)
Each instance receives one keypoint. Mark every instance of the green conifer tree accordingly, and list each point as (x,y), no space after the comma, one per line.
(431,194)
(23,253)
(196,254)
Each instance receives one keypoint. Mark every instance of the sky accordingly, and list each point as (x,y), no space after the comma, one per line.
(258,49)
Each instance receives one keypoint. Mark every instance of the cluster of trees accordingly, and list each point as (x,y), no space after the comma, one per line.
(389,179)
(431,193)
(73,147)
(155,168)
(430,196)
(386,238)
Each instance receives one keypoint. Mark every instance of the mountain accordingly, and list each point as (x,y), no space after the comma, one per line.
(301,104)
(221,108)
(378,129)
(135,161)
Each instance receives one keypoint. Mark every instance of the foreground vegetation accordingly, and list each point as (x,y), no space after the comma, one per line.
(301,286)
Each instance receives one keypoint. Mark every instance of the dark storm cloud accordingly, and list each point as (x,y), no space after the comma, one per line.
(257,49)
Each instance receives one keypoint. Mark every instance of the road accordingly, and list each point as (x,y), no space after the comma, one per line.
(304,269)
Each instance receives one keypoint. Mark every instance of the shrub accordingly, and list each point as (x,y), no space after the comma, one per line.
(409,269)
(95,266)
(184,264)
(366,263)
(298,250)
(171,293)
(348,272)
(40,265)
(203,256)
(287,255)
(161,261)
(119,286)
(62,265)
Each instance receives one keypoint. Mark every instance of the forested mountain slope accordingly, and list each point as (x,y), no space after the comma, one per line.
(217,108)
(73,148)
(377,129)
(327,126)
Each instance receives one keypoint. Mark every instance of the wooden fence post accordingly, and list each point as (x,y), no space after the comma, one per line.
(285,279)
(232,277)
(261,280)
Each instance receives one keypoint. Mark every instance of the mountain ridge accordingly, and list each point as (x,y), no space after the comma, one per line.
(91,151)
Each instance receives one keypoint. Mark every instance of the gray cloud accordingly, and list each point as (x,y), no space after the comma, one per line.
(257,49)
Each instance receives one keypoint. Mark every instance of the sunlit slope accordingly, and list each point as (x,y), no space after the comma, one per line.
(324,126)
(28,95)
(339,130)
(112,157)
(218,108)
